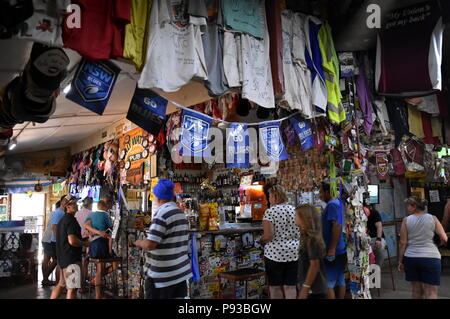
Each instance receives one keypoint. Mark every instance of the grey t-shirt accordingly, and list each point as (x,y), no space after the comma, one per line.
(216,83)
(310,253)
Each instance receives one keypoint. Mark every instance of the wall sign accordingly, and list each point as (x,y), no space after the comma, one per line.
(134,154)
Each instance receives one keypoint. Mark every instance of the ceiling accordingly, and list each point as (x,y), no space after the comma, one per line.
(72,123)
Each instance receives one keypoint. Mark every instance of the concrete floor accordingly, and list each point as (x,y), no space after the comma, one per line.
(402,288)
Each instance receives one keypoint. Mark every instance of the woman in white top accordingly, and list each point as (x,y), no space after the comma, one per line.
(282,238)
(420,258)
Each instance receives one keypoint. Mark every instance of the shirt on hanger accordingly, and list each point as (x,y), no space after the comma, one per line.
(297,77)
(213,40)
(336,112)
(136,33)
(45,25)
(175,53)
(409,52)
(314,60)
(102,31)
(230,59)
(257,83)
(415,122)
(245,16)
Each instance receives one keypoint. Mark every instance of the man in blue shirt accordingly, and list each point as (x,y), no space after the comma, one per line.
(333,221)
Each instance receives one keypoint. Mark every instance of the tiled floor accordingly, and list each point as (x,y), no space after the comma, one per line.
(402,288)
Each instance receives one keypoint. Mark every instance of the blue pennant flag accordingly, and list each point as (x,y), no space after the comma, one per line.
(304,132)
(195,130)
(270,135)
(93,84)
(238,146)
(147,110)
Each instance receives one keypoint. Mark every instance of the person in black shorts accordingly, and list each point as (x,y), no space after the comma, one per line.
(282,240)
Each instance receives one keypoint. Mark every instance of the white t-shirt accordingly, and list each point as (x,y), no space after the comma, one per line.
(230,59)
(175,50)
(297,77)
(285,244)
(256,70)
(45,25)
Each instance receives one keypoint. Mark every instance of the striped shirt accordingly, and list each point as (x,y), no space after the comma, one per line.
(169,263)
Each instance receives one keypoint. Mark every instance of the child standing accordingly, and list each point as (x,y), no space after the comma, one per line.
(312,278)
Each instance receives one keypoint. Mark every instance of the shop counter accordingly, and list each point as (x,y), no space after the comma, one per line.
(232,247)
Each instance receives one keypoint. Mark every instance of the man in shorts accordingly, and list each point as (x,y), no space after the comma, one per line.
(68,251)
(332,228)
(49,263)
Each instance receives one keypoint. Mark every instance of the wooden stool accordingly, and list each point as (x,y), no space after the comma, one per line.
(245,275)
(105,262)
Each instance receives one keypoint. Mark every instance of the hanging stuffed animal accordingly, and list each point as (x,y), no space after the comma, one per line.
(111,155)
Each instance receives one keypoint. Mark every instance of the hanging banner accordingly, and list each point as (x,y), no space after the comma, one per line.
(304,132)
(238,146)
(270,135)
(382,165)
(93,84)
(147,110)
(135,156)
(195,129)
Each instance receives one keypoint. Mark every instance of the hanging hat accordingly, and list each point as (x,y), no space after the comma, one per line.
(243,108)
(262,113)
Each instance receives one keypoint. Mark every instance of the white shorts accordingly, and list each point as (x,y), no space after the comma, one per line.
(70,277)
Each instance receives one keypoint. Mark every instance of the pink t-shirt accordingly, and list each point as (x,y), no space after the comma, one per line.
(81,216)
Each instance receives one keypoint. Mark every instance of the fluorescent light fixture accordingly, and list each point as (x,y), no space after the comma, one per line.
(67,88)
(12,144)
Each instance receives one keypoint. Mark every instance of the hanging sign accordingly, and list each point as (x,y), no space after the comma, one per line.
(238,146)
(304,132)
(270,135)
(93,84)
(195,129)
(133,152)
(147,110)
(382,165)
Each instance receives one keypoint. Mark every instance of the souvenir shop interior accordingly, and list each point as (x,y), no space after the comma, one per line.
(226,99)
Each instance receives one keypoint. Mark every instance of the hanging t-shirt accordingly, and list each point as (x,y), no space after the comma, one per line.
(336,111)
(230,59)
(136,33)
(175,50)
(409,51)
(45,25)
(273,12)
(245,16)
(365,103)
(415,122)
(102,31)
(257,83)
(297,77)
(398,116)
(213,48)
(314,60)
(382,115)
(428,130)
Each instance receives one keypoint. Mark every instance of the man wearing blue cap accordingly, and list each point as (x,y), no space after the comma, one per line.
(167,266)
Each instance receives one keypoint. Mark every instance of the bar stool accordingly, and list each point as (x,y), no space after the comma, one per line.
(245,275)
(106,261)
